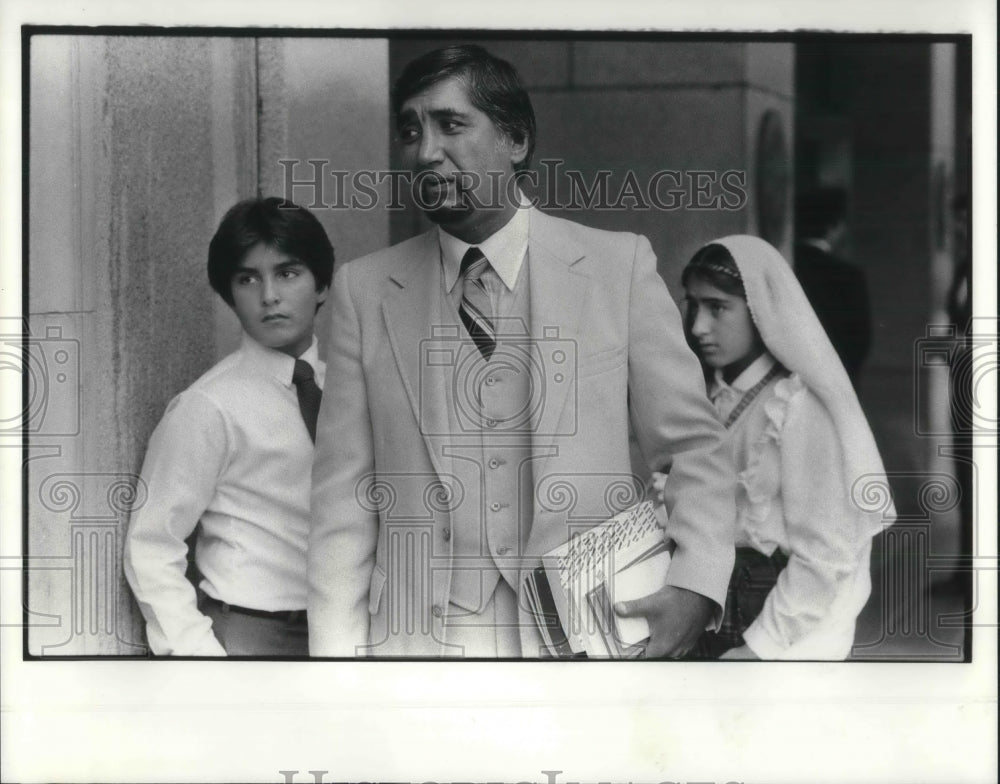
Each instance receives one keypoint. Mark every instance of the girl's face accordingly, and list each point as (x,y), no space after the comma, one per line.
(724,335)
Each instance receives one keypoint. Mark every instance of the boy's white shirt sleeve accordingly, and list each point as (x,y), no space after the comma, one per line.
(824,550)
(184,460)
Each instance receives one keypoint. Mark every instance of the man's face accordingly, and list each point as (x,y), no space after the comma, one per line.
(275,299)
(460,159)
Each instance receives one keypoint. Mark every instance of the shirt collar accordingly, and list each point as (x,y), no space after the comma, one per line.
(505,249)
(278,363)
(819,243)
(759,368)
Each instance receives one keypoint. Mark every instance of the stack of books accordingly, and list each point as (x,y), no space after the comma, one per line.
(572,594)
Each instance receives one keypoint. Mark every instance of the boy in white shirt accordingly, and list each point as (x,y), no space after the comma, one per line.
(234,452)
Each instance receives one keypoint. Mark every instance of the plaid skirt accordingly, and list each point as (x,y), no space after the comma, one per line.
(754,575)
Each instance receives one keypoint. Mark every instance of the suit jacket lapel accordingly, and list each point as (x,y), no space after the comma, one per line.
(420,339)
(559,293)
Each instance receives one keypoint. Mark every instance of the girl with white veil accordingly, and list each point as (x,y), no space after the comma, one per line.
(803,451)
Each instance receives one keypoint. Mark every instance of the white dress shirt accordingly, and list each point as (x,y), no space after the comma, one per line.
(232,453)
(506,250)
(792,495)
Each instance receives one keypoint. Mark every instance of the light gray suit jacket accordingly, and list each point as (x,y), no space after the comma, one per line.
(388,485)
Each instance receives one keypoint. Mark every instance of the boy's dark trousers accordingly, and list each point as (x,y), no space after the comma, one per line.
(246,632)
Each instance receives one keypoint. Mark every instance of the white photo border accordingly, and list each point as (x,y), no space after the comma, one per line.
(421,721)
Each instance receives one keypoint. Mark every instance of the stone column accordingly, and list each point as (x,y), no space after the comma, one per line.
(136,145)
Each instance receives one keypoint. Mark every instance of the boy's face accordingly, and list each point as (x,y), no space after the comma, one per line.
(275,299)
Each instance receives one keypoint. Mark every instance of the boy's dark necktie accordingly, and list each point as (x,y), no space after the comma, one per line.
(476,310)
(309,394)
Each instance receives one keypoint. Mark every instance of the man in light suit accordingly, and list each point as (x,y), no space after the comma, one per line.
(486,374)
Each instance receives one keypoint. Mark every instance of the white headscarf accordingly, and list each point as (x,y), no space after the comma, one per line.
(794,336)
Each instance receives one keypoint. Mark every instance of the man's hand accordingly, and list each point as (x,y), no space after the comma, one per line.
(676,618)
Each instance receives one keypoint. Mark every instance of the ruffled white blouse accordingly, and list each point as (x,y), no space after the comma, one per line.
(792,495)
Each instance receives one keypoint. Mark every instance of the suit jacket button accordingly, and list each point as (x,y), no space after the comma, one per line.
(436,611)
(503,550)
(446,533)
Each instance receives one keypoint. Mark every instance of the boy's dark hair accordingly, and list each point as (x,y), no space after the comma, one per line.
(494,88)
(271,221)
(715,265)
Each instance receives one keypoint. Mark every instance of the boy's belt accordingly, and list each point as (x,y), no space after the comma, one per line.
(289,616)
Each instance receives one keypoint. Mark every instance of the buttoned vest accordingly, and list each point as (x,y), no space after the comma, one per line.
(496,519)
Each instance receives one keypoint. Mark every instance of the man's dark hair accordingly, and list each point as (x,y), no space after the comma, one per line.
(818,210)
(271,221)
(494,88)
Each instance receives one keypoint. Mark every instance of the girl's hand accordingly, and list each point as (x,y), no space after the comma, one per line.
(656,484)
(742,653)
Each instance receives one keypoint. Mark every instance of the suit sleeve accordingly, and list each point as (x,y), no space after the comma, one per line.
(676,426)
(184,460)
(342,535)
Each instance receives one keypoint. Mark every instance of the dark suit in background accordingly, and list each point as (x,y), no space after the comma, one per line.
(838,292)
(836,288)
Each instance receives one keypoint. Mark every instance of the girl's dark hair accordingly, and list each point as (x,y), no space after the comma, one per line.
(494,88)
(271,221)
(715,265)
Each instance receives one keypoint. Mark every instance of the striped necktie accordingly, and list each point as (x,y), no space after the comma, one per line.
(475,308)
